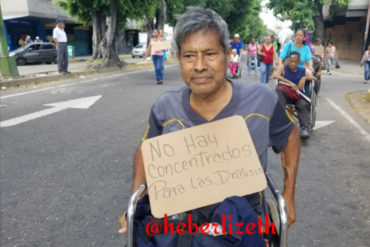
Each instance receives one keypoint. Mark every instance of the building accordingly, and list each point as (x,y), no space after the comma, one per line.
(346,27)
(37,18)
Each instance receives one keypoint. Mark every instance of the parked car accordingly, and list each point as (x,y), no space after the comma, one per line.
(35,53)
(139,50)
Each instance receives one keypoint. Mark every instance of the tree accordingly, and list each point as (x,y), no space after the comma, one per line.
(107,18)
(304,13)
(240,15)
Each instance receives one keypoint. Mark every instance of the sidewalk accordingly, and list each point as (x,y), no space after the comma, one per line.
(78,68)
(350,67)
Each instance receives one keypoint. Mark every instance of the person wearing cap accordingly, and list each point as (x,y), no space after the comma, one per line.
(60,39)
(236,43)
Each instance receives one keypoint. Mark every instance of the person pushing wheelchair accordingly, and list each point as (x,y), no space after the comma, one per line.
(201,43)
(294,78)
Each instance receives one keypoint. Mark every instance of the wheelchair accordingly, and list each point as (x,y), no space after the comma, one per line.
(276,208)
(311,89)
(238,72)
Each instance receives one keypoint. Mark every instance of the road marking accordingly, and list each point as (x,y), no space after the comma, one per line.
(350,120)
(321,124)
(82,82)
(82,103)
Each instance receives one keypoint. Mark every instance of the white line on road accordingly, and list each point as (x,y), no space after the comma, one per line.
(82,103)
(72,84)
(350,120)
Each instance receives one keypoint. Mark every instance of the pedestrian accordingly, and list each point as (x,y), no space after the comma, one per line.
(318,49)
(299,45)
(330,56)
(243,60)
(157,56)
(60,39)
(200,41)
(366,61)
(28,40)
(234,63)
(236,43)
(38,40)
(21,41)
(274,43)
(269,58)
(252,56)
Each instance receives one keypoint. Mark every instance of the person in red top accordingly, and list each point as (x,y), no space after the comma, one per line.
(269,57)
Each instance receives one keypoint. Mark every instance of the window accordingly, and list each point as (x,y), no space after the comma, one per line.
(47,47)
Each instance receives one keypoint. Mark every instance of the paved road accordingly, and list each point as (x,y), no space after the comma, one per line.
(66,177)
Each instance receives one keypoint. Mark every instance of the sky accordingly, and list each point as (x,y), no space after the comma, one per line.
(281,28)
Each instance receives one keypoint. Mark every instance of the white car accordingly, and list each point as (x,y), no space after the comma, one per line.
(139,50)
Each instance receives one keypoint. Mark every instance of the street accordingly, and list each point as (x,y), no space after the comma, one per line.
(66,173)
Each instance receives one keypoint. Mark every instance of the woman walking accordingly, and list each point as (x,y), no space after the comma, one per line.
(366,61)
(157,56)
(269,57)
(330,56)
(252,54)
(299,45)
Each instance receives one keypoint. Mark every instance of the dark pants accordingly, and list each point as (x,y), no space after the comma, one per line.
(302,106)
(62,56)
(158,67)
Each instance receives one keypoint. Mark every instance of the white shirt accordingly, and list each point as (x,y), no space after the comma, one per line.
(59,35)
(234,59)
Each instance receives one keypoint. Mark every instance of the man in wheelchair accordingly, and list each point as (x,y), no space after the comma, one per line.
(292,78)
(201,43)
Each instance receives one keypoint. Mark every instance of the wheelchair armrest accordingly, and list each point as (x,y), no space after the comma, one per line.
(131,213)
(282,211)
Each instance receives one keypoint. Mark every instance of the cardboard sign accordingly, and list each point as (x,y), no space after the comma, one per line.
(200,166)
(318,50)
(163,45)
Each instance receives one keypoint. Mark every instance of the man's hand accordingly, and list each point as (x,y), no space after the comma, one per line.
(123,224)
(293,87)
(361,65)
(301,83)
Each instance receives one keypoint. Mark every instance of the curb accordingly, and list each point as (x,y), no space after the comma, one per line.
(45,78)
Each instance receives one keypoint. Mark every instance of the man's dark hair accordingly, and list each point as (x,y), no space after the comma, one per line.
(295,54)
(198,19)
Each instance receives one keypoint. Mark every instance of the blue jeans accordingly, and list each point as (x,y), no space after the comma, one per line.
(330,61)
(158,67)
(265,72)
(250,64)
(367,70)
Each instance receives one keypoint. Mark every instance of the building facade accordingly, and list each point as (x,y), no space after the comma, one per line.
(346,27)
(37,18)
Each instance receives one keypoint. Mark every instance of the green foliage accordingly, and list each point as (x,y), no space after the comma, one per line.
(132,9)
(242,16)
(302,12)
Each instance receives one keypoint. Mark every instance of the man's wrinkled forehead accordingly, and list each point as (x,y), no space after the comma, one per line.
(203,32)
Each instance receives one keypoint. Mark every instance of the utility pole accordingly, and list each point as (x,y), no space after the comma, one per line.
(366,28)
(8,67)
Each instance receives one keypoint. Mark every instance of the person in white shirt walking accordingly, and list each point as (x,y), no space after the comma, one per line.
(60,39)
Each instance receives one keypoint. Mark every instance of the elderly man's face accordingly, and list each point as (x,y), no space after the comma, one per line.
(203,63)
(60,24)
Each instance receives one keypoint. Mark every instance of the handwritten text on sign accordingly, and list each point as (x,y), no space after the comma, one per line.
(201,165)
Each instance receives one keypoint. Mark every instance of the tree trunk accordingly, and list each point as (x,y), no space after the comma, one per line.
(149,28)
(161,15)
(104,34)
(98,22)
(319,23)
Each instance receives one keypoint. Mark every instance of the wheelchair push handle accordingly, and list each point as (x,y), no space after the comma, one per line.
(131,214)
